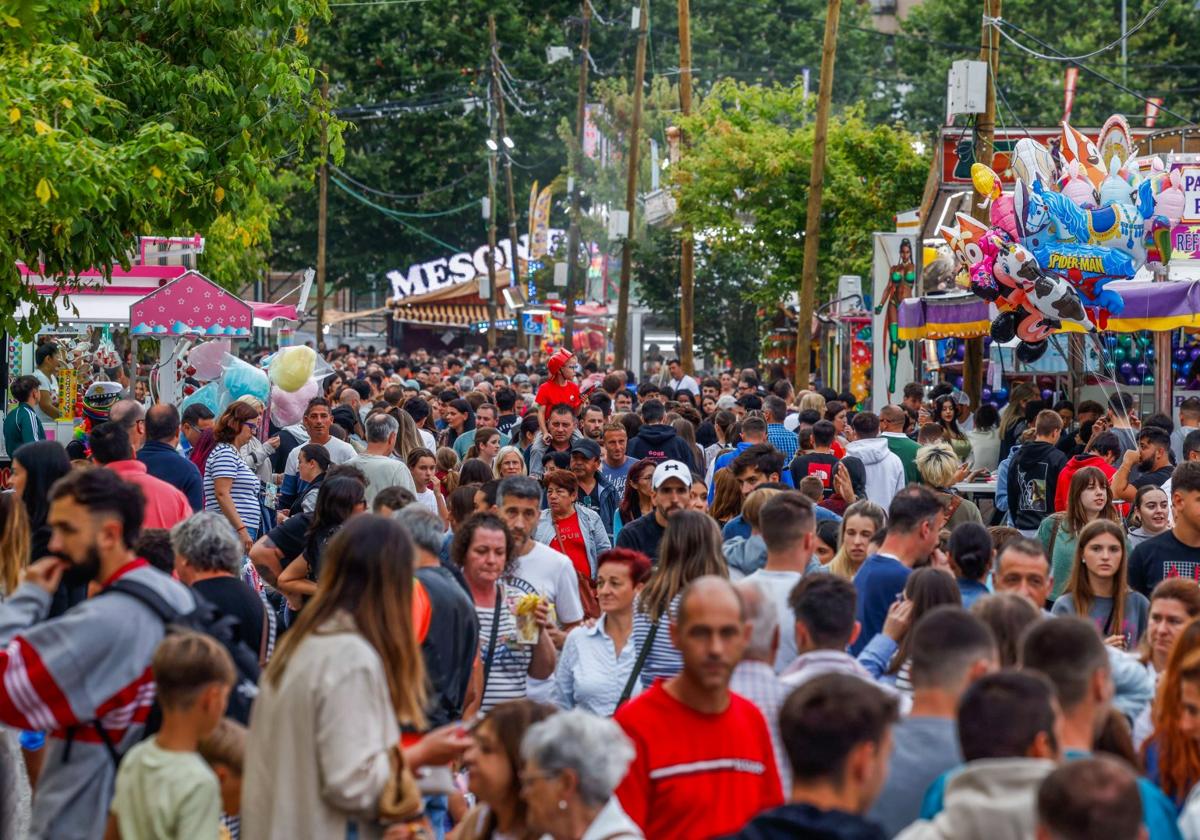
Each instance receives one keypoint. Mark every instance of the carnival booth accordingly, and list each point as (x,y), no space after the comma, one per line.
(1091,240)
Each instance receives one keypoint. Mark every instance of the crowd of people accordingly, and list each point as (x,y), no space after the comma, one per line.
(507,596)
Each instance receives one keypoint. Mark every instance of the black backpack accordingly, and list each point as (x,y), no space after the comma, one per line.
(206,619)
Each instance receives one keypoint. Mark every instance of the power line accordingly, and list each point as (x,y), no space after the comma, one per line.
(377,3)
(410,214)
(404,196)
(391,214)
(1000,22)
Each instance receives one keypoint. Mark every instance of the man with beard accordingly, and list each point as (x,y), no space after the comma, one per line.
(670,486)
(1152,459)
(85,675)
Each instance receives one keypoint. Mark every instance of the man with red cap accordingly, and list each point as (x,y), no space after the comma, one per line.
(559,389)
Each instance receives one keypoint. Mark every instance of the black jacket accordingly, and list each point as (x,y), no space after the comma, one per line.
(660,442)
(1032,480)
(804,822)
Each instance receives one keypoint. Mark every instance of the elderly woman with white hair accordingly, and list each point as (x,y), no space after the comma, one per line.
(940,470)
(573,761)
(208,559)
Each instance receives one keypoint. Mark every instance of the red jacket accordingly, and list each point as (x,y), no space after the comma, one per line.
(1073,466)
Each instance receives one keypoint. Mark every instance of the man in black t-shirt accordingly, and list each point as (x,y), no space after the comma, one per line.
(1152,458)
(208,558)
(449,648)
(671,486)
(506,400)
(1175,553)
(820,462)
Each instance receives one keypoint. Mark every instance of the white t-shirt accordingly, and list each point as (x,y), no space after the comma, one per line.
(428,440)
(685,383)
(339,453)
(429,501)
(46,384)
(779,585)
(550,574)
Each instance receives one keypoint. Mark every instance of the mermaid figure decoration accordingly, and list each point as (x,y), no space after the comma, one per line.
(902,277)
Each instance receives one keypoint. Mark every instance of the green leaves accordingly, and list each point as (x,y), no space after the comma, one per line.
(125,123)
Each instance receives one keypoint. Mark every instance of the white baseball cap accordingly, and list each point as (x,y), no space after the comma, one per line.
(671,469)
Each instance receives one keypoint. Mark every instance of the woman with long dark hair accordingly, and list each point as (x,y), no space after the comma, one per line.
(340,498)
(35,468)
(459,418)
(945,414)
(1089,498)
(1098,588)
(323,752)
(636,501)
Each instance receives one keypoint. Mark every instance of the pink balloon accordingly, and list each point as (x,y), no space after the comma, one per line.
(288,408)
(207,358)
(1003,215)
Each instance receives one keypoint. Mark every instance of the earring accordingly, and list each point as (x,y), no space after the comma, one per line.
(562,804)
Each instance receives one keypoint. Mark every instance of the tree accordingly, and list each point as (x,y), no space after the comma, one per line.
(743,186)
(136,116)
(1161,61)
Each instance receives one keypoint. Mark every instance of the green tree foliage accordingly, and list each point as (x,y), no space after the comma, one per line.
(744,186)
(1161,60)
(123,117)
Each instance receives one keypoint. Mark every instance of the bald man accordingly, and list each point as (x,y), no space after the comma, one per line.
(891,427)
(712,782)
(132,415)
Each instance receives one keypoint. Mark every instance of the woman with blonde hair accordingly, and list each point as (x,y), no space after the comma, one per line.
(1099,589)
(861,521)
(509,462)
(323,749)
(690,548)
(940,469)
(14,543)
(408,438)
(812,401)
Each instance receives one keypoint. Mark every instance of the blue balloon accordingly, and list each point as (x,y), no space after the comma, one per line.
(1181,382)
(1133,382)
(1126,369)
(1141,368)
(1001,395)
(1181,354)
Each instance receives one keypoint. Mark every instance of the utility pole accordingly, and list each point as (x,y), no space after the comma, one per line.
(985,134)
(514,272)
(573,233)
(322,208)
(493,145)
(816,182)
(639,72)
(687,246)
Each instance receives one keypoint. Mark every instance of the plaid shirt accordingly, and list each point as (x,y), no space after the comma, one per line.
(783,440)
(758,683)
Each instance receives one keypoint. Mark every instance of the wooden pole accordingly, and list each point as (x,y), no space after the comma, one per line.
(514,268)
(322,209)
(573,233)
(812,232)
(985,133)
(495,145)
(687,245)
(620,339)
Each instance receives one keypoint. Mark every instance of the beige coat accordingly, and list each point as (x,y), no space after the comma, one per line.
(317,756)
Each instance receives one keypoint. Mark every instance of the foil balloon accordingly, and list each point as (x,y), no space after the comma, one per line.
(1116,226)
(292,367)
(1115,139)
(1075,146)
(1169,202)
(1032,161)
(1078,188)
(1001,214)
(208,358)
(986,182)
(1115,189)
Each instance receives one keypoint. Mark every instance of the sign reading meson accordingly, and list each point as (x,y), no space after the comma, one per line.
(422,278)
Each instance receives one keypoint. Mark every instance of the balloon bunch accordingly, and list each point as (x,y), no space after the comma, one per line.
(1132,358)
(1072,225)
(1185,360)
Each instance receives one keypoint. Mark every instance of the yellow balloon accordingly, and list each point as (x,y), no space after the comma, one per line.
(986,182)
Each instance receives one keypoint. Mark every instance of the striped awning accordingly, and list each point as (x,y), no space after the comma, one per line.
(461,315)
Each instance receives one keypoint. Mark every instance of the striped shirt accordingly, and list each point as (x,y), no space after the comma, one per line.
(664,659)
(224,462)
(508,678)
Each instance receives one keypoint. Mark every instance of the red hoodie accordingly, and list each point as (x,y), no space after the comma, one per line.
(1068,472)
